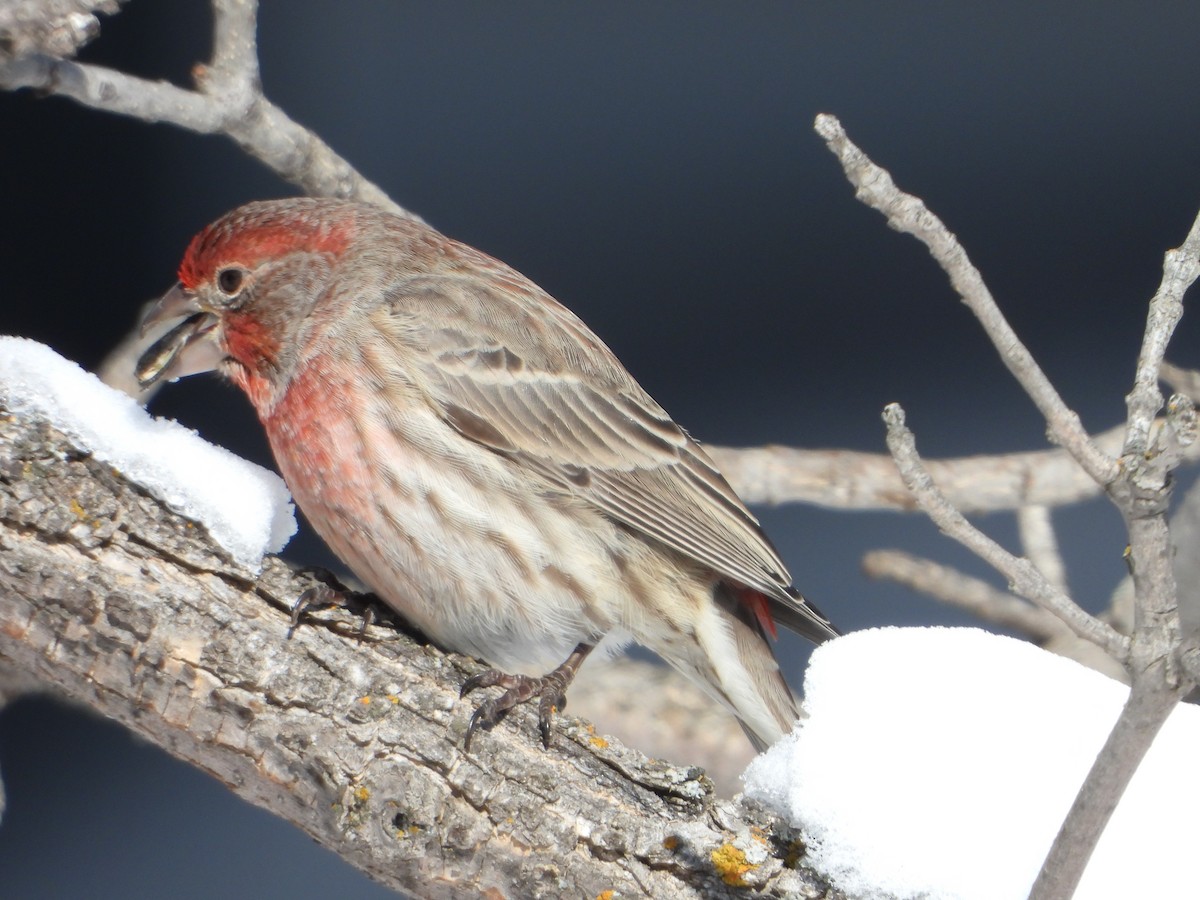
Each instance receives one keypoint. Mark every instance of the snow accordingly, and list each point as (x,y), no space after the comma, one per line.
(939,763)
(247,509)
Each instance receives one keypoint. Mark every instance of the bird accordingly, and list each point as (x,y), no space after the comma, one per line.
(480,459)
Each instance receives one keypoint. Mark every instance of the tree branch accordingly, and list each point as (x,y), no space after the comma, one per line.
(1140,486)
(54,27)
(956,589)
(1158,663)
(1023,577)
(844,479)
(904,212)
(123,606)
(1040,544)
(1180,268)
(228,101)
(1142,717)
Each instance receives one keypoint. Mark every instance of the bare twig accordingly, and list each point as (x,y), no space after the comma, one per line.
(1139,486)
(234,67)
(844,479)
(1180,269)
(1160,676)
(1041,544)
(1184,381)
(1142,716)
(904,212)
(1023,577)
(990,604)
(228,101)
(961,590)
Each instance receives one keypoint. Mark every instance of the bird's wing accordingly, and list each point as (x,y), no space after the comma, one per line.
(511,369)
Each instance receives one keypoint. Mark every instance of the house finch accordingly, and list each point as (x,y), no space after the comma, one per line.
(479,458)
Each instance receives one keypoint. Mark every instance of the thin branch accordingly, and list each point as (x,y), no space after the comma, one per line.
(1143,493)
(1040,544)
(1160,680)
(1023,577)
(112,91)
(990,604)
(1180,269)
(904,212)
(958,589)
(1140,487)
(1183,381)
(1177,434)
(844,479)
(847,479)
(234,67)
(228,102)
(55,27)
(1142,717)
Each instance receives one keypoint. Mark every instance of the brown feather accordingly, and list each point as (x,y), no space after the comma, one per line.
(510,368)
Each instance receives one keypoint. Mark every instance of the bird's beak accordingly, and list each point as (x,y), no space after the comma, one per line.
(187,349)
(174,304)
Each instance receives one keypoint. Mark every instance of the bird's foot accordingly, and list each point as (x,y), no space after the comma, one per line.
(550,689)
(330,592)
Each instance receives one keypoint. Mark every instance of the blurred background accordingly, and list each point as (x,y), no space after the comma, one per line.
(653,166)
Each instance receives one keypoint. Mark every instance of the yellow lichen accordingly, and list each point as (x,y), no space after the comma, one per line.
(77,509)
(361,794)
(365,701)
(598,741)
(731,865)
(606,895)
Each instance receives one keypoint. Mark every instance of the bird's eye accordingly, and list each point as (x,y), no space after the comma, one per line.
(230,281)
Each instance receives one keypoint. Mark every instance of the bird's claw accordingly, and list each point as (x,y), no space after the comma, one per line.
(315,597)
(551,691)
(328,592)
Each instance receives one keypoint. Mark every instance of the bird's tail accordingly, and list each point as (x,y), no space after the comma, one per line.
(733,662)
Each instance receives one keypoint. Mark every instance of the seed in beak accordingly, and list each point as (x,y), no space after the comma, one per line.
(159,358)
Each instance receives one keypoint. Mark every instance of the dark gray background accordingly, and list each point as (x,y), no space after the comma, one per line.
(654,167)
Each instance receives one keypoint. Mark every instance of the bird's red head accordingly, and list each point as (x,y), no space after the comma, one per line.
(248,283)
(260,231)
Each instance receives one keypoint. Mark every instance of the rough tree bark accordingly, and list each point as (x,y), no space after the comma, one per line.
(115,602)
